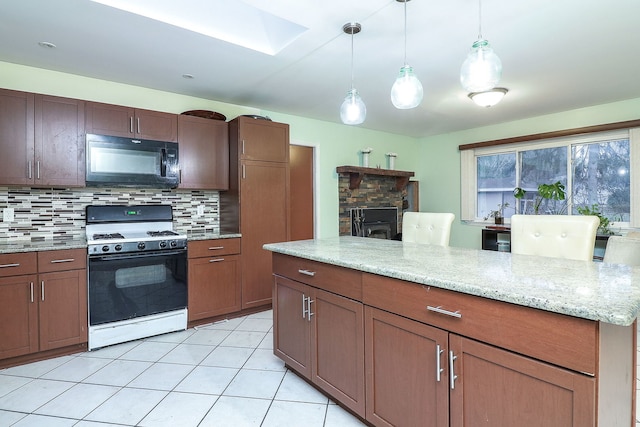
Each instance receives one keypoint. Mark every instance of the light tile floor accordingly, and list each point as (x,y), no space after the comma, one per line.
(223,374)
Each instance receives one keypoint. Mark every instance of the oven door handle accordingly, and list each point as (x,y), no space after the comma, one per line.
(136,255)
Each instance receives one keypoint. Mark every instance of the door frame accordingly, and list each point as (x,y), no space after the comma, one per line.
(316,182)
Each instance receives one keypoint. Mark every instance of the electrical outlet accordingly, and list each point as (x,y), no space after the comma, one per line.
(200,210)
(7,215)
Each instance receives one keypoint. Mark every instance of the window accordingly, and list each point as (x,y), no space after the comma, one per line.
(595,169)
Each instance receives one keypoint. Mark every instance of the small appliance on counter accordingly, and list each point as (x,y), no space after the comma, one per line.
(137,273)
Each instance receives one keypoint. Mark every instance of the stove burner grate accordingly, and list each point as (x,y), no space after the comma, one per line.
(162,233)
(105,236)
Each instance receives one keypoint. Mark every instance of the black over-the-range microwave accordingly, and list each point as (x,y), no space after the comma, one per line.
(118,161)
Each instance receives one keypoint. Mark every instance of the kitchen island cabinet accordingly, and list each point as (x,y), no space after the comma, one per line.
(214,278)
(449,345)
(44,297)
(257,202)
(128,122)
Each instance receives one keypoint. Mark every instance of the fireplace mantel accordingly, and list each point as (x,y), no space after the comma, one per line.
(356,173)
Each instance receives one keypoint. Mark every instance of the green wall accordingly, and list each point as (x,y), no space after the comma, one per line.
(435,160)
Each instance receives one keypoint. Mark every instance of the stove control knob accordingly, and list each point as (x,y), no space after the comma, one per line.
(118,247)
(174,243)
(141,245)
(163,244)
(105,248)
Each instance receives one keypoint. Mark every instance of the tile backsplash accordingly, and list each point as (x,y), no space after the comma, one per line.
(58,213)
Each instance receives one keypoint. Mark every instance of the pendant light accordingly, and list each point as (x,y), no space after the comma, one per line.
(482,69)
(407,90)
(352,111)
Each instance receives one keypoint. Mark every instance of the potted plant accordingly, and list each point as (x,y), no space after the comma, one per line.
(594,210)
(553,191)
(498,214)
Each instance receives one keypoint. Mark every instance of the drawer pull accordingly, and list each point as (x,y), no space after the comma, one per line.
(307,272)
(439,369)
(216,248)
(441,310)
(216,260)
(9,265)
(57,261)
(452,376)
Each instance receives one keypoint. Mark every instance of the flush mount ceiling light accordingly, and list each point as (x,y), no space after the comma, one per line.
(407,90)
(47,45)
(488,98)
(482,69)
(352,111)
(232,21)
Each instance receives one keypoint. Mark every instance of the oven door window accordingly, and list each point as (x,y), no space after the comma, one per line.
(123,287)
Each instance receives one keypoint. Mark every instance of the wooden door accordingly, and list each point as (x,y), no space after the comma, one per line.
(214,286)
(155,125)
(263,219)
(302,192)
(108,119)
(402,360)
(16,137)
(337,342)
(18,316)
(499,388)
(291,326)
(204,153)
(63,308)
(263,140)
(59,141)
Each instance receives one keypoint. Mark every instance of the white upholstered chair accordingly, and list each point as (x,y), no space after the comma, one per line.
(623,250)
(559,236)
(427,227)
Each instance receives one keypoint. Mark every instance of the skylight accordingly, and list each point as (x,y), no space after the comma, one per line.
(232,21)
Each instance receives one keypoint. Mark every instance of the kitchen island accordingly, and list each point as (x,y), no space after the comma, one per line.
(408,334)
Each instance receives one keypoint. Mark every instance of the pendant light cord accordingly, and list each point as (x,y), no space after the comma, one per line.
(405,32)
(479,19)
(351,59)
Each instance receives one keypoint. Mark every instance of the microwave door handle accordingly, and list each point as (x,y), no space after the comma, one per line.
(163,164)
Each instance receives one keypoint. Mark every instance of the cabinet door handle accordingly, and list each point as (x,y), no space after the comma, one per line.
(138,124)
(243,146)
(216,260)
(215,248)
(38,169)
(304,306)
(309,313)
(131,124)
(31,290)
(307,272)
(441,310)
(29,169)
(244,172)
(42,290)
(452,376)
(439,369)
(57,261)
(9,265)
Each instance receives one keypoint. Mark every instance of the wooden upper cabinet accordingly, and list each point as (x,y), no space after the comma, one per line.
(117,120)
(16,137)
(204,153)
(263,140)
(59,142)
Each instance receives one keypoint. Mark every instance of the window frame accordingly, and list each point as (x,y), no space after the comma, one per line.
(469,172)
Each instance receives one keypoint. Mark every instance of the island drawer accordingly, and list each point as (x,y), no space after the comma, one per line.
(331,278)
(517,328)
(19,263)
(213,248)
(62,260)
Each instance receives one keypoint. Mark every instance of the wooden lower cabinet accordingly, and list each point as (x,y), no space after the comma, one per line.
(214,278)
(404,385)
(18,316)
(320,336)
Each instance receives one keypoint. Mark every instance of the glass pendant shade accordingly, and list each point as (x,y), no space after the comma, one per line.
(406,91)
(482,69)
(353,111)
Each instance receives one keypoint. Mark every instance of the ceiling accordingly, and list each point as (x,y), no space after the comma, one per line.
(556,55)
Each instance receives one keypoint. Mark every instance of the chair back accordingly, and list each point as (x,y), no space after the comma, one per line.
(559,236)
(427,227)
(623,250)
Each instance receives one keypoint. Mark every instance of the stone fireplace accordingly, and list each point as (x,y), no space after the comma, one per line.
(372,188)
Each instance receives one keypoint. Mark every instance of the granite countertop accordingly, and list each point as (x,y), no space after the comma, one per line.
(608,293)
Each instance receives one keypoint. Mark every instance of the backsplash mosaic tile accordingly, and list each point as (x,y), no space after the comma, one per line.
(58,213)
